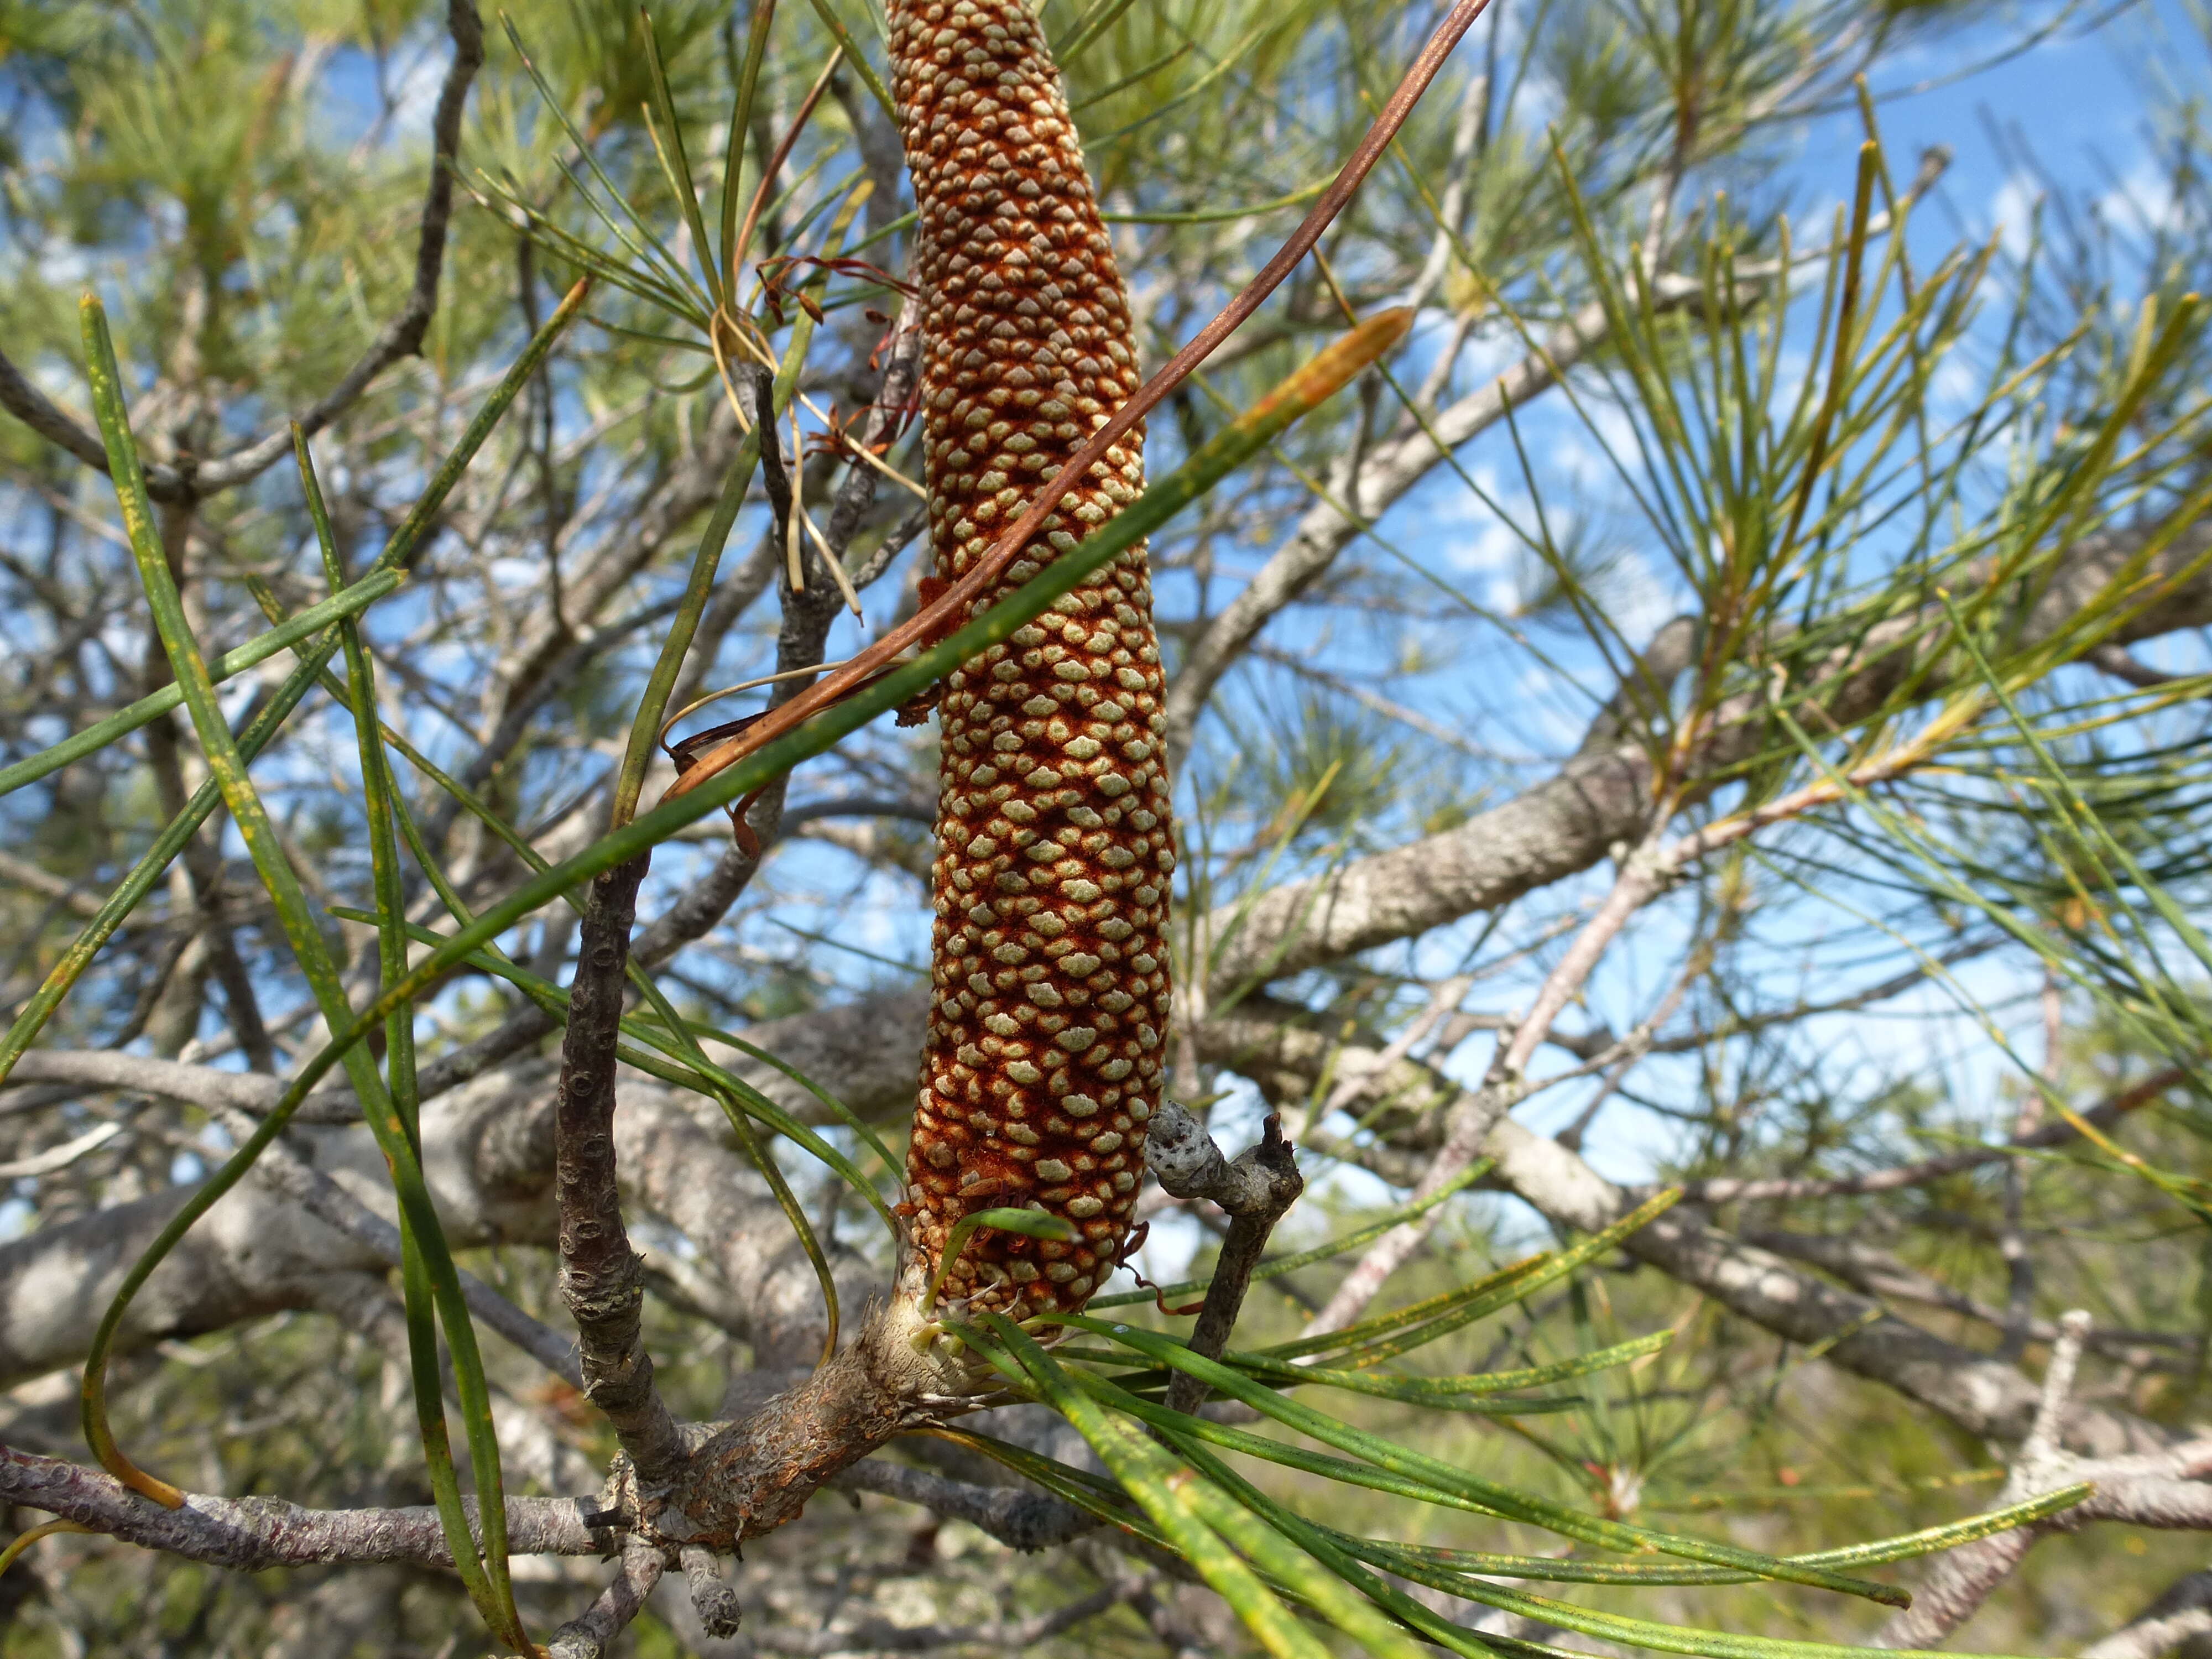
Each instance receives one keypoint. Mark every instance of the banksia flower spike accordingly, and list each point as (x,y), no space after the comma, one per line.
(1042,1062)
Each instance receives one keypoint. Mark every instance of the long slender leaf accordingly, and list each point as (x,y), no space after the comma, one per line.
(155,704)
(1159,1487)
(399,552)
(1388,1454)
(298,923)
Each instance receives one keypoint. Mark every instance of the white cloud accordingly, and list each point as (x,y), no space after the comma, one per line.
(2012,211)
(1636,600)
(1490,546)
(2143,201)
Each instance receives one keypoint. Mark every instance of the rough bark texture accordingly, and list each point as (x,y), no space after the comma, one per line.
(1042,1061)
(1257,1190)
(252,1535)
(487,1156)
(602,1279)
(754,1475)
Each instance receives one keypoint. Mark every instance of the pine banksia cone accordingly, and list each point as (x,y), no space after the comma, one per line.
(1042,1062)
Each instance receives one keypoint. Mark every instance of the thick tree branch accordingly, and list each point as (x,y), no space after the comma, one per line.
(1987,1397)
(590,1636)
(202,1085)
(487,1155)
(252,1535)
(282,1170)
(1019,1519)
(1600,799)
(2163,1489)
(2182,1613)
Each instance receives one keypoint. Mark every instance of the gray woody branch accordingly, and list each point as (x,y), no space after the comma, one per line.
(2163,1489)
(1256,1189)
(487,1155)
(588,1636)
(251,1534)
(2183,1612)
(601,1278)
(1986,1397)
(1602,798)
(1496,857)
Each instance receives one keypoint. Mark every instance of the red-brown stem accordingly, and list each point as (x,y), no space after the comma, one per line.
(759,204)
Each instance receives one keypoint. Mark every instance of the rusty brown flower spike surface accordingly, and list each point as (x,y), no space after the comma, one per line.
(1043,1058)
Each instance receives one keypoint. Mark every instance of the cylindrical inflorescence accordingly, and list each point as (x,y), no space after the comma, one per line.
(1049,986)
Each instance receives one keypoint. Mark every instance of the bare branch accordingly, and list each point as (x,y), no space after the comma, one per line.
(602,1279)
(1256,1190)
(1018,1519)
(589,1636)
(715,1602)
(488,1154)
(73,895)
(799,642)
(2161,1489)
(1474,1115)
(2183,1612)
(283,1170)
(2121,664)
(1878,1273)
(2102,1115)
(201,1085)
(38,413)
(252,1535)
(1987,1397)
(1600,800)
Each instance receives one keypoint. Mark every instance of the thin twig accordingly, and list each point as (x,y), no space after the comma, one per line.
(2184,1611)
(2103,1115)
(1255,1190)
(252,1535)
(602,1279)
(590,1636)
(2163,1489)
(284,1171)
(714,1601)
(1021,1520)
